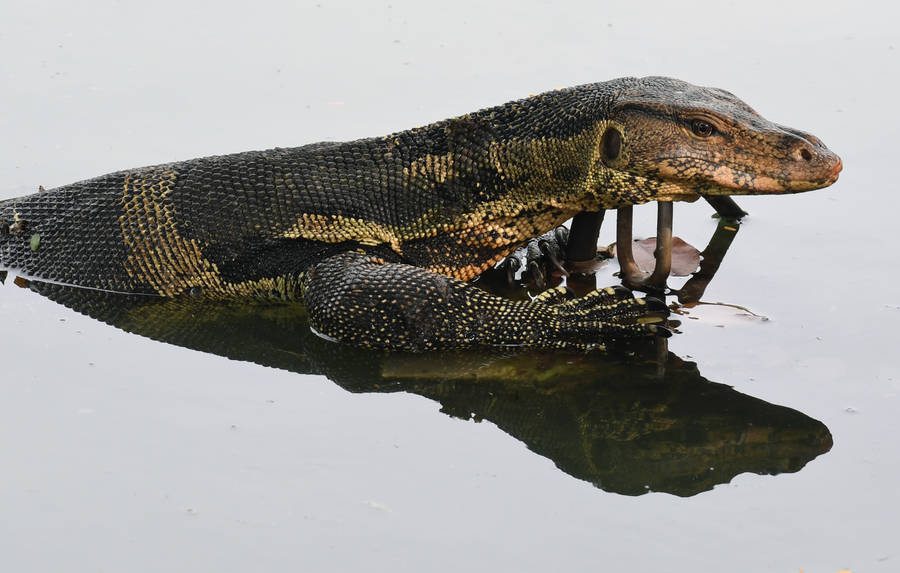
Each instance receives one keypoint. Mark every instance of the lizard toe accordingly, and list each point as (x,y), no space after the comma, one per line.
(554,296)
(609,305)
(655,304)
(535,277)
(544,258)
(509,267)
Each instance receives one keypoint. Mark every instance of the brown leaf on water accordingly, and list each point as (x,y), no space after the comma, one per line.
(685,258)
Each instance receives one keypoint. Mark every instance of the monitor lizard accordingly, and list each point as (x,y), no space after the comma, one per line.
(379,237)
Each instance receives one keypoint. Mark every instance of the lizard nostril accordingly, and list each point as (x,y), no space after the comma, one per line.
(805,154)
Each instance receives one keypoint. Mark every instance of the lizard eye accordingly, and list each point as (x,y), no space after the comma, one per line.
(702,128)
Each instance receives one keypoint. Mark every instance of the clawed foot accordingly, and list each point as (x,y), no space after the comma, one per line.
(541,260)
(606,315)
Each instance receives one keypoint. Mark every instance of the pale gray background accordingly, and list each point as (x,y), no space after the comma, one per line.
(118,453)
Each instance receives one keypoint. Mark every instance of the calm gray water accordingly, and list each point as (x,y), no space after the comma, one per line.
(124,454)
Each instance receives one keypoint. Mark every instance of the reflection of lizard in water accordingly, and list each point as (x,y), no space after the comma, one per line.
(377,236)
(626,424)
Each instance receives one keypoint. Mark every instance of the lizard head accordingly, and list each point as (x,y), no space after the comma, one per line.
(687,141)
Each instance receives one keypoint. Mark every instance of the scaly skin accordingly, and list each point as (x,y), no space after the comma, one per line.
(377,236)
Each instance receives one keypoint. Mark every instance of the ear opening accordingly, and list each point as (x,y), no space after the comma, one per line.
(611,144)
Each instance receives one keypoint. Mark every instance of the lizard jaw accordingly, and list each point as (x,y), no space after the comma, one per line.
(723,178)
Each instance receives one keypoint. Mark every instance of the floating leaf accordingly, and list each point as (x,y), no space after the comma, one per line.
(685,258)
(35,241)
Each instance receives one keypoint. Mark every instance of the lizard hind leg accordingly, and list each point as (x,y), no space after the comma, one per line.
(360,299)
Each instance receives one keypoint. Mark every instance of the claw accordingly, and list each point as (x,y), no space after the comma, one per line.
(536,275)
(552,257)
(510,266)
(581,240)
(660,331)
(630,273)
(663,252)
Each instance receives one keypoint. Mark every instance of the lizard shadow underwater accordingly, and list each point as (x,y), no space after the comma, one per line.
(629,424)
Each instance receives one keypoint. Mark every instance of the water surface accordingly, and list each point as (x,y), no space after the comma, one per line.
(256,452)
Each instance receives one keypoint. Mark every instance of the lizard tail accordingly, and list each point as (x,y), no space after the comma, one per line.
(68,235)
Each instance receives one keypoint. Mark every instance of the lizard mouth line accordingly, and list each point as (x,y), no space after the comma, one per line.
(729,178)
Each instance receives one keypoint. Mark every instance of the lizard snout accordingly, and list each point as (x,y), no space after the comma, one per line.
(815,162)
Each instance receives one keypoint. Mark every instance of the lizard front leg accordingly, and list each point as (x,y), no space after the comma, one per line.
(361,299)
(556,253)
